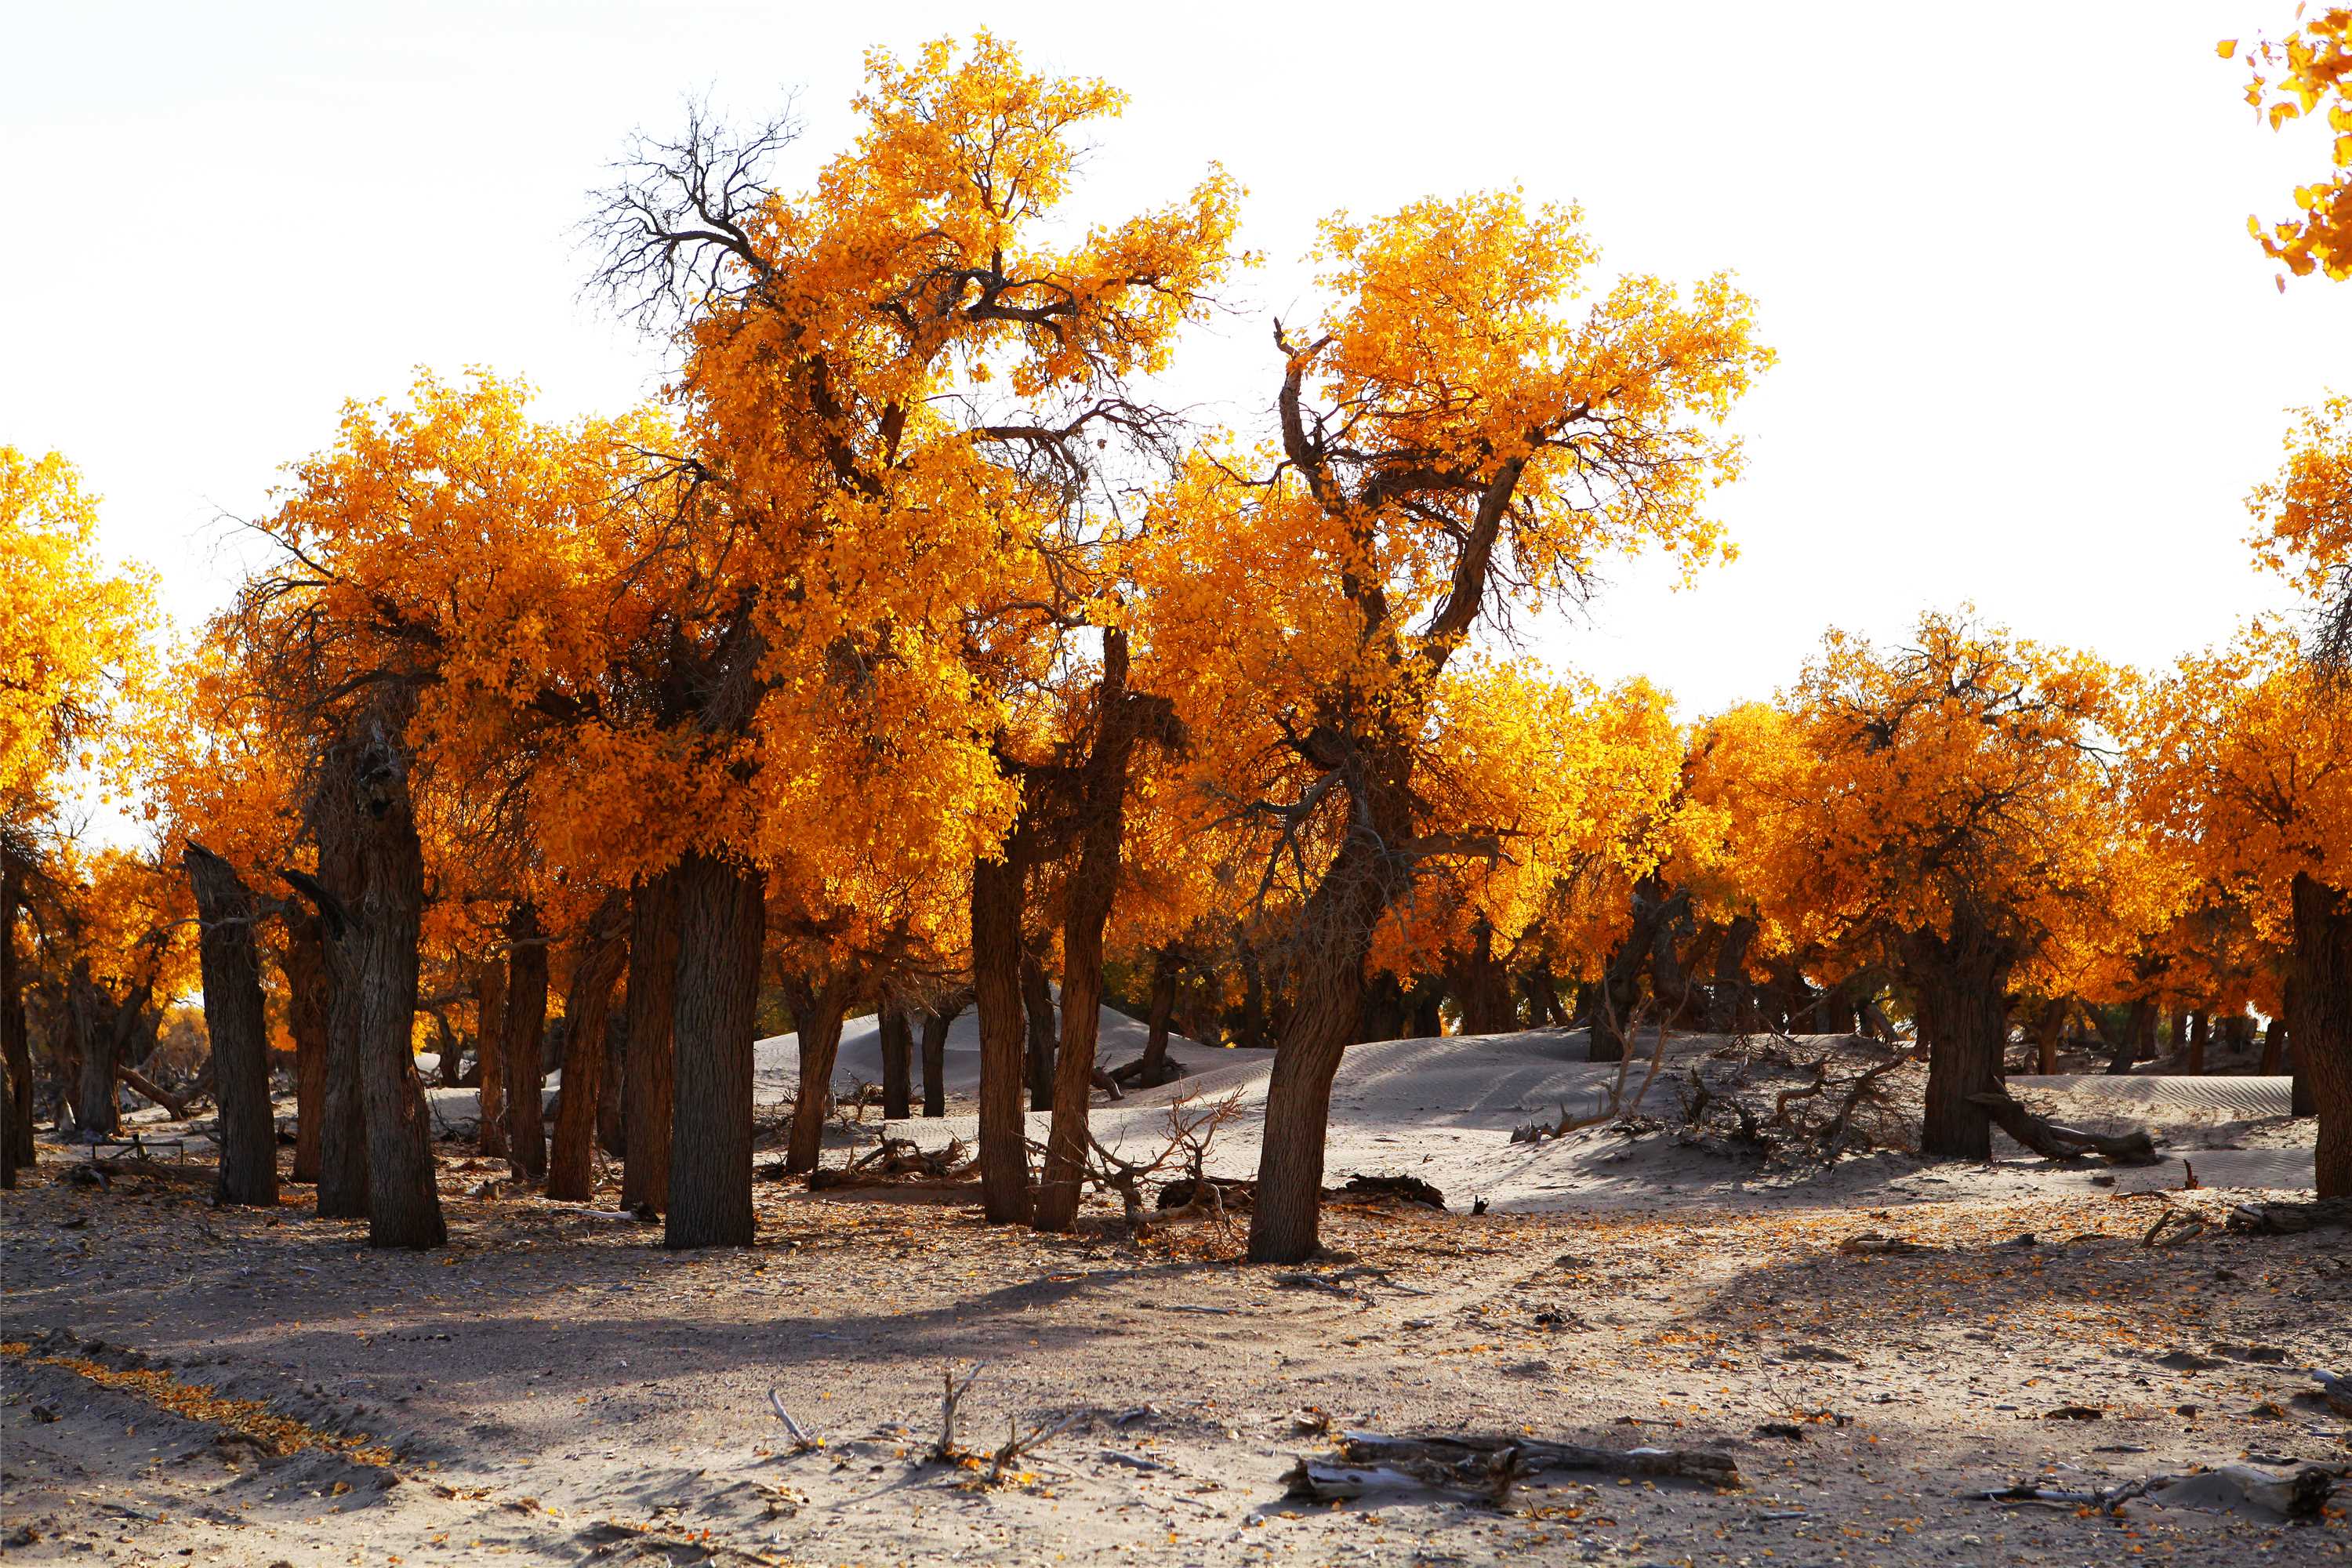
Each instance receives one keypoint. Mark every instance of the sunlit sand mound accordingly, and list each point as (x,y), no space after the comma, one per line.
(1445,1110)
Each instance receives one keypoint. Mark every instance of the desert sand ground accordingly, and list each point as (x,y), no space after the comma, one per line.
(185,1382)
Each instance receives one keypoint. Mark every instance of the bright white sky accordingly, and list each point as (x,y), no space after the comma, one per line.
(2029,356)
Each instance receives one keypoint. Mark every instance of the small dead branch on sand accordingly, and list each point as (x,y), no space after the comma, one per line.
(2301,1494)
(1484,1467)
(893,1160)
(1192,1128)
(802,1440)
(1614,1105)
(2053,1141)
(1015,1447)
(1870,1244)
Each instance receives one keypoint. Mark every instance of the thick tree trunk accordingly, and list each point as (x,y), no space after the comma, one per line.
(1426,1002)
(2320,1029)
(996,890)
(2201,1034)
(937,1020)
(98,1040)
(722,924)
(2135,1029)
(897,1040)
(1284,1224)
(369,918)
(231,963)
(595,969)
(611,1120)
(2273,1042)
(1965,974)
(1086,909)
(1619,988)
(2046,1034)
(307,1004)
(1166,970)
(817,1013)
(1730,1000)
(1043,1027)
(649,1091)
(490,1056)
(1482,987)
(16,1039)
(526,1026)
(1380,1015)
(1679,1002)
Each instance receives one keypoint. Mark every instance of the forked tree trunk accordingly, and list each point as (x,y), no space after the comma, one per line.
(231,963)
(996,886)
(490,1057)
(897,1040)
(1679,1002)
(722,924)
(1037,1010)
(2321,1028)
(595,969)
(16,1041)
(648,1090)
(303,962)
(937,1021)
(817,1013)
(526,1026)
(1965,975)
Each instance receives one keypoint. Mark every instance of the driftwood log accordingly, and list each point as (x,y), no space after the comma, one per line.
(1484,1465)
(2055,1143)
(2289,1219)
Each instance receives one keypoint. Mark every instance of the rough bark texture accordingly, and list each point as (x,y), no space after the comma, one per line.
(303,962)
(15,1043)
(595,969)
(1964,975)
(937,1020)
(1335,934)
(721,923)
(996,992)
(817,1012)
(1042,1028)
(1086,909)
(646,1093)
(231,962)
(526,1026)
(101,1025)
(897,1040)
(611,1122)
(2320,1026)
(366,828)
(490,1057)
(2200,1034)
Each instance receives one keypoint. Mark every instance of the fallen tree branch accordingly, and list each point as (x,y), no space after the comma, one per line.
(2288,1219)
(177,1104)
(1486,1465)
(2053,1141)
(803,1442)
